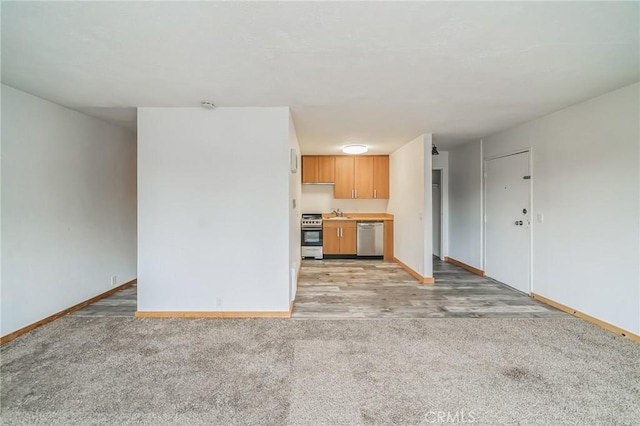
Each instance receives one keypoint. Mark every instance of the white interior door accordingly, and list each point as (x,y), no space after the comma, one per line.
(507,220)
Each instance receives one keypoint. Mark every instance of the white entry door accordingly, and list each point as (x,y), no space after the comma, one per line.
(507,220)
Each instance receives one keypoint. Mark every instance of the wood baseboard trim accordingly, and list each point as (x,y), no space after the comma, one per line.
(464,266)
(414,274)
(9,337)
(214,314)
(596,321)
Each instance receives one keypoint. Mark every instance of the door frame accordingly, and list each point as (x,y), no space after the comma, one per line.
(444,212)
(528,150)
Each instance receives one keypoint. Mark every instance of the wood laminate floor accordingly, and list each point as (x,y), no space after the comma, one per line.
(121,304)
(377,289)
(346,289)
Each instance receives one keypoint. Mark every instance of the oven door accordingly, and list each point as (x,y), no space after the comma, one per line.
(311,236)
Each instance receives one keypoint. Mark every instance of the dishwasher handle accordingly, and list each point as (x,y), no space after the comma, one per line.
(369,224)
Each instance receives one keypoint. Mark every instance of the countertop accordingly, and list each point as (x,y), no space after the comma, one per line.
(362,217)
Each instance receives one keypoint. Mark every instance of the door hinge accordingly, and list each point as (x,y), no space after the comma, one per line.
(526,177)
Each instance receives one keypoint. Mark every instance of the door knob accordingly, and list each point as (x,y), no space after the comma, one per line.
(516,223)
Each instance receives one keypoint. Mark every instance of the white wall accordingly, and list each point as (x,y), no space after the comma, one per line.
(440,161)
(319,199)
(295,184)
(68,208)
(427,207)
(213,209)
(465,204)
(410,174)
(586,183)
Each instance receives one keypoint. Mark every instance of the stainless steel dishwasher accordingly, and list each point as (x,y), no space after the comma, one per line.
(370,238)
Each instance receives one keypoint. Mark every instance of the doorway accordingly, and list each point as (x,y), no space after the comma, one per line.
(437,214)
(507,224)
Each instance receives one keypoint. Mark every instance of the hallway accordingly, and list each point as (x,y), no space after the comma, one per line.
(341,289)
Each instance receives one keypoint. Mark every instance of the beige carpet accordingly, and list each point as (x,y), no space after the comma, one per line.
(108,371)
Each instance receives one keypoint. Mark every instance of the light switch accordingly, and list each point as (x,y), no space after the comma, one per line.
(540,218)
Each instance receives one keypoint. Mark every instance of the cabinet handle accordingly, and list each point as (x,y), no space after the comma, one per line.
(375,193)
(340,232)
(352,194)
(337,232)
(356,194)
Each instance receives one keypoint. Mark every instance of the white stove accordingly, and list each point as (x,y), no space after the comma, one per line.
(311,230)
(311,221)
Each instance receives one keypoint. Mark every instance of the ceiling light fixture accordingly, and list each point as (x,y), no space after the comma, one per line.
(434,150)
(207,104)
(355,149)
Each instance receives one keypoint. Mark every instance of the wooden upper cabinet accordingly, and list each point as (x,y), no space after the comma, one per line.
(309,169)
(381,176)
(363,177)
(345,167)
(318,169)
(326,169)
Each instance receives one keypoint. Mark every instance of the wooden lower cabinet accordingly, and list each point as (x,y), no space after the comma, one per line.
(339,237)
(330,239)
(348,239)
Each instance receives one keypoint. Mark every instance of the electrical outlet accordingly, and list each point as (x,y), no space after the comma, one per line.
(114,280)
(219,302)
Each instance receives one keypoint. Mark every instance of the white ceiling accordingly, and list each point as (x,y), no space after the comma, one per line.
(375,73)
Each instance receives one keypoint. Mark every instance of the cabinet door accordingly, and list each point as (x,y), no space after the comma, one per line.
(348,242)
(309,169)
(381,176)
(327,169)
(344,177)
(330,238)
(364,177)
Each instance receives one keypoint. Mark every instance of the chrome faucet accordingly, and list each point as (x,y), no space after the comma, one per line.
(336,212)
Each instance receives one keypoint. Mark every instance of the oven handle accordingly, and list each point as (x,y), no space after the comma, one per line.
(312,229)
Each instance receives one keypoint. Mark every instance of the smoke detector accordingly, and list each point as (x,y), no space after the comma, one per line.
(207,104)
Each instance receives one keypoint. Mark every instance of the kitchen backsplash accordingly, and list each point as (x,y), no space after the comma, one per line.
(319,199)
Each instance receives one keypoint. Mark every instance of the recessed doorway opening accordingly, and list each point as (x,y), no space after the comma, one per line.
(437,214)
